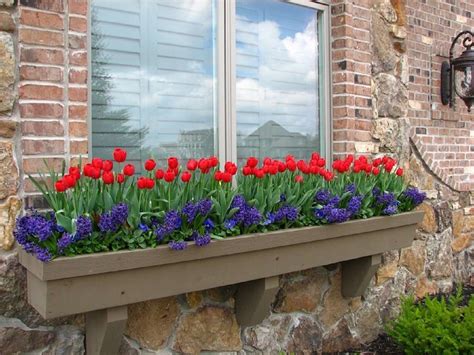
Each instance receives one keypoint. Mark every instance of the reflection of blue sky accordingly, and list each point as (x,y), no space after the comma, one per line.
(160,55)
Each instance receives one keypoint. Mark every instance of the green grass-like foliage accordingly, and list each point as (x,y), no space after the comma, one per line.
(435,326)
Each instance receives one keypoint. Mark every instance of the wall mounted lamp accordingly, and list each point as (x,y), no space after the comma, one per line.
(457,75)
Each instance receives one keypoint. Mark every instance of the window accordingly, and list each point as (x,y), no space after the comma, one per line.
(196,78)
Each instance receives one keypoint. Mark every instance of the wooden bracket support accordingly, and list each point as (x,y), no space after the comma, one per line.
(357,273)
(104,330)
(253,300)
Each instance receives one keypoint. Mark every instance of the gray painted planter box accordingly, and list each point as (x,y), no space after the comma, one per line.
(102,285)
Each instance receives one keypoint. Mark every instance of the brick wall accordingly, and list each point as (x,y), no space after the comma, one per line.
(443,136)
(52,86)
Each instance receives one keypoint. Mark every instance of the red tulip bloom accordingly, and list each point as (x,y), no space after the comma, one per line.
(87,170)
(108,177)
(328,176)
(315,156)
(273,169)
(375,171)
(259,173)
(95,173)
(246,170)
(291,165)
(69,181)
(213,162)
(281,166)
(97,163)
(218,175)
(252,162)
(120,178)
(226,177)
(75,171)
(150,164)
(299,178)
(289,157)
(321,163)
(107,165)
(399,171)
(192,165)
(230,168)
(60,186)
(173,163)
(169,176)
(186,176)
(129,170)
(203,165)
(120,155)
(142,182)
(150,183)
(159,174)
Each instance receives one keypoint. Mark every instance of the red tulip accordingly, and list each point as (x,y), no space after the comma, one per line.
(273,169)
(150,164)
(291,165)
(289,157)
(299,178)
(142,182)
(120,155)
(192,165)
(246,170)
(107,165)
(315,156)
(281,166)
(321,163)
(328,176)
(230,168)
(169,176)
(60,186)
(186,176)
(159,174)
(120,178)
(375,171)
(399,171)
(87,170)
(129,170)
(259,173)
(203,165)
(226,177)
(213,162)
(95,173)
(218,175)
(150,183)
(75,171)
(252,162)
(108,177)
(97,163)
(69,181)
(173,163)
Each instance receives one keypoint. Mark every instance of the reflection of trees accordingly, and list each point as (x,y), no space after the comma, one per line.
(116,120)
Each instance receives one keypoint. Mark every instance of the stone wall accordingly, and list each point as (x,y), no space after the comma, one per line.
(386,100)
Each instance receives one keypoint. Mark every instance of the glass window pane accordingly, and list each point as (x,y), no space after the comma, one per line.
(277,94)
(153,78)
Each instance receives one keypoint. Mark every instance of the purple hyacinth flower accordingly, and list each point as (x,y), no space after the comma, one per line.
(177,245)
(202,240)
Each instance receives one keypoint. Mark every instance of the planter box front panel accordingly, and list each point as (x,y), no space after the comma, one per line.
(113,279)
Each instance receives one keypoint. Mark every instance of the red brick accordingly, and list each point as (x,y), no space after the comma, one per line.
(78,94)
(77,42)
(41,55)
(77,76)
(30,72)
(78,58)
(42,146)
(77,24)
(44,38)
(79,147)
(35,110)
(78,7)
(77,112)
(41,92)
(51,5)
(41,19)
(78,129)
(37,165)
(42,128)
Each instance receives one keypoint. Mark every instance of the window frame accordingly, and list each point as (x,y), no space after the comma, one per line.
(226,120)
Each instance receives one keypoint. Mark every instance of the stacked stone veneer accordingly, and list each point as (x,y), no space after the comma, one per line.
(386,60)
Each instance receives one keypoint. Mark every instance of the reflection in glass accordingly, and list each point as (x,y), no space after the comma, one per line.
(277,79)
(153,78)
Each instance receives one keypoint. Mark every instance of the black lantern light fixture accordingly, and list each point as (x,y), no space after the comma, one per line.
(457,75)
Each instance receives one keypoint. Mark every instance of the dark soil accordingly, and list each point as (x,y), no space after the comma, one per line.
(385,345)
